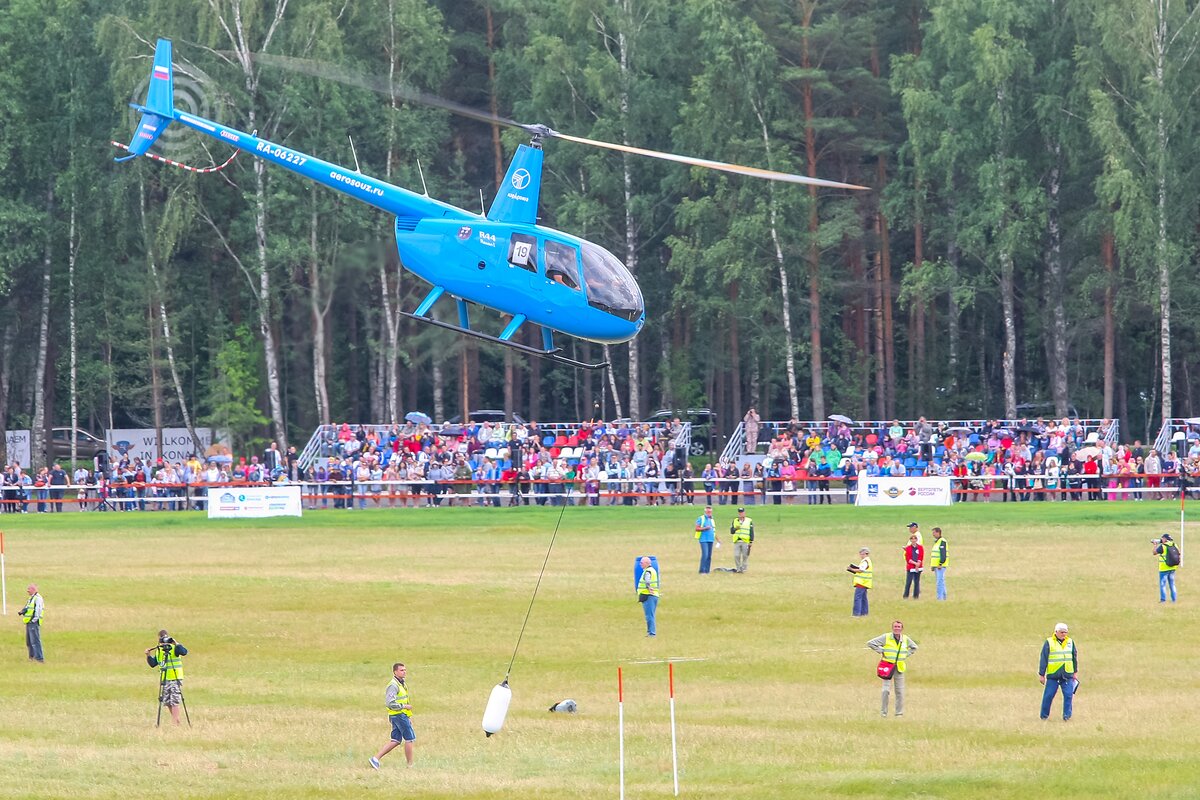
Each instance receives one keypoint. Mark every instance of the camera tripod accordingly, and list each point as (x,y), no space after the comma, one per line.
(163,649)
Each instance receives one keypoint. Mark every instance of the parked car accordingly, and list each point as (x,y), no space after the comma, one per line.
(705,437)
(87,445)
(486,415)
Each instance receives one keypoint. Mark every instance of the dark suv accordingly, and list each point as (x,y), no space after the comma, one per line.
(704,427)
(86,445)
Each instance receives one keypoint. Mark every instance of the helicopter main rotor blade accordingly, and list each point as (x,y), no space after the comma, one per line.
(397,91)
(738,169)
(402,92)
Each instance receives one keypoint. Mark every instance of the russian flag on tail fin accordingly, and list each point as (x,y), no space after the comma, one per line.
(159,110)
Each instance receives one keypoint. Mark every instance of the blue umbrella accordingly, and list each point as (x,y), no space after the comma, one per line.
(418,418)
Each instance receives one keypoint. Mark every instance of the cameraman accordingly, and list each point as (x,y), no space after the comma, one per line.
(166,656)
(1166,570)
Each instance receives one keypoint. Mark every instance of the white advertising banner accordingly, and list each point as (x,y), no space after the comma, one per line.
(903,492)
(142,443)
(254,501)
(18,447)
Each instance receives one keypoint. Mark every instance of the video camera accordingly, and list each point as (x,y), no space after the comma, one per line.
(1156,541)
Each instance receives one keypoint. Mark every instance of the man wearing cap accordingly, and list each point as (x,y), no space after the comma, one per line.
(915,530)
(863,577)
(31,615)
(1058,668)
(1166,572)
(742,533)
(706,534)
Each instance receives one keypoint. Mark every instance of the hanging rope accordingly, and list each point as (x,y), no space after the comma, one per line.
(537,585)
(200,170)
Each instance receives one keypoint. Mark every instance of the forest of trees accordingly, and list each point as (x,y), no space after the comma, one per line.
(1031,231)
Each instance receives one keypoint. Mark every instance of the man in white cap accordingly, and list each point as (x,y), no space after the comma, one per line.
(1058,668)
(915,530)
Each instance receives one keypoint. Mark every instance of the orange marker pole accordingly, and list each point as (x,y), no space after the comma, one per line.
(674,754)
(621,730)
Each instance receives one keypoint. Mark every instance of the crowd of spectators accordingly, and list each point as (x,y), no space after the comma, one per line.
(598,462)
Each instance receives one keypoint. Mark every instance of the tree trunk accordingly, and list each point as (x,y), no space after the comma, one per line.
(1008,305)
(37,434)
(1108,258)
(631,231)
(1056,339)
(817,372)
(735,358)
(6,351)
(72,255)
(885,280)
(318,308)
(785,300)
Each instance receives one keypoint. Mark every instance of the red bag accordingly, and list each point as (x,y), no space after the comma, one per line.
(885,669)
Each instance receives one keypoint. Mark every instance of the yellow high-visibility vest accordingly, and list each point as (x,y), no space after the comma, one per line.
(1162,560)
(401,699)
(1060,656)
(649,582)
(741,529)
(935,552)
(896,651)
(865,577)
(171,664)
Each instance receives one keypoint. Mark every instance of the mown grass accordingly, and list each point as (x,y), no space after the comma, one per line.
(293,626)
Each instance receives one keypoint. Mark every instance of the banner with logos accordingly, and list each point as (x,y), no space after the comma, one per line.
(142,443)
(254,501)
(18,447)
(903,491)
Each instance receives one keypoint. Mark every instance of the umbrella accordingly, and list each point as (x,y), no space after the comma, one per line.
(1083,453)
(418,418)
(220,459)
(451,430)
(1027,429)
(976,456)
(841,418)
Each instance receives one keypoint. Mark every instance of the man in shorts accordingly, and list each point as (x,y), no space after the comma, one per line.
(166,656)
(400,712)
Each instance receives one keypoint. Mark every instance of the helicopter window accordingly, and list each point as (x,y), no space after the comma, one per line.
(522,252)
(610,287)
(562,264)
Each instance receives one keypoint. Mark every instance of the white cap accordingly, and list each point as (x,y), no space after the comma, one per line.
(1062,626)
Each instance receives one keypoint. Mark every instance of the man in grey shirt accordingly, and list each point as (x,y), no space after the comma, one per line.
(895,648)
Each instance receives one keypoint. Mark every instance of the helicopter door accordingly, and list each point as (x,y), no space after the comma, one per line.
(522,254)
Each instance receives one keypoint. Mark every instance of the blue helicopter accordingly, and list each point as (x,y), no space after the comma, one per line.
(502,260)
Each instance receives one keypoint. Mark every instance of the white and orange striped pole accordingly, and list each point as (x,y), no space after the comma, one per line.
(621,730)
(674,754)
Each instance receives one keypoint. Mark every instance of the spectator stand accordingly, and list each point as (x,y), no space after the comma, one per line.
(1177,432)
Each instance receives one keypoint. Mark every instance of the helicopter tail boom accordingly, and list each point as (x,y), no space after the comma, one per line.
(159,110)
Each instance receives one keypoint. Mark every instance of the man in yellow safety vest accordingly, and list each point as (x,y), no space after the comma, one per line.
(864,576)
(400,713)
(166,656)
(1058,668)
(742,533)
(895,648)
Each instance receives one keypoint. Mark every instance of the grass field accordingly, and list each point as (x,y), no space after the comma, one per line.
(293,626)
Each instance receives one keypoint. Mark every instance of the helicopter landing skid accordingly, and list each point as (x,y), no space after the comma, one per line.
(551,355)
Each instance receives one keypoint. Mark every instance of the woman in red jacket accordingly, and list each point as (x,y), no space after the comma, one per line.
(914,562)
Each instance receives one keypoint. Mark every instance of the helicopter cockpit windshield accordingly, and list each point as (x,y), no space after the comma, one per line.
(610,287)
